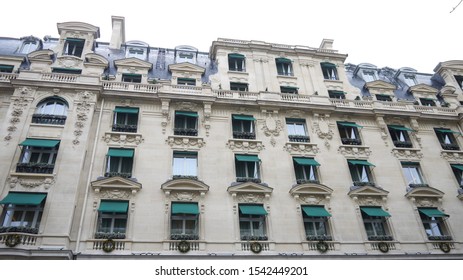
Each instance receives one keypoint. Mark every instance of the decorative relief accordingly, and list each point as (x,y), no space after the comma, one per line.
(185,142)
(322,127)
(207,117)
(69,62)
(427,202)
(165,114)
(187,106)
(83,109)
(369,201)
(383,129)
(123,139)
(271,126)
(115,194)
(19,104)
(302,148)
(452,156)
(250,198)
(245,145)
(404,153)
(31,183)
(311,199)
(184,195)
(357,152)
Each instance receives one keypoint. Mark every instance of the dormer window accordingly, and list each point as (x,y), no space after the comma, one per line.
(136,52)
(6,68)
(28,47)
(410,80)
(236,62)
(186,82)
(73,47)
(459,81)
(284,67)
(131,78)
(427,102)
(369,76)
(329,71)
(185,54)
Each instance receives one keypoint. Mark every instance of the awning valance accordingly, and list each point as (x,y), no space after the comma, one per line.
(349,124)
(236,55)
(328,64)
(253,210)
(23,198)
(315,211)
(282,60)
(457,166)
(113,152)
(247,158)
(360,162)
(114,206)
(40,143)
(243,118)
(306,161)
(432,212)
(444,130)
(128,110)
(185,208)
(399,127)
(186,114)
(375,212)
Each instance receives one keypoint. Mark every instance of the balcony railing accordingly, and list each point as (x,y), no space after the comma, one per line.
(248,179)
(319,238)
(48,119)
(305,181)
(109,235)
(453,147)
(19,238)
(403,144)
(380,238)
(299,138)
(184,237)
(244,135)
(132,128)
(363,184)
(186,131)
(120,174)
(351,141)
(35,167)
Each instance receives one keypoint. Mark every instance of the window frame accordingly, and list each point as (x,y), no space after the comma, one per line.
(239,86)
(435,228)
(329,71)
(131,78)
(361,174)
(125,121)
(236,62)
(182,164)
(181,81)
(346,132)
(458,173)
(446,139)
(6,68)
(185,123)
(103,231)
(51,111)
(37,159)
(243,129)
(123,164)
(376,227)
(289,90)
(336,94)
(400,137)
(429,102)
(284,67)
(252,232)
(10,210)
(383,97)
(77,47)
(305,173)
(413,174)
(28,46)
(294,128)
(250,170)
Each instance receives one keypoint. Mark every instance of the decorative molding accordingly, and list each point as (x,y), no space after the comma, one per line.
(31,181)
(69,62)
(185,142)
(19,102)
(368,195)
(83,111)
(184,196)
(187,106)
(311,193)
(354,151)
(115,188)
(301,148)
(425,196)
(383,129)
(165,114)
(453,156)
(250,198)
(123,139)
(271,126)
(207,117)
(407,153)
(245,146)
(322,127)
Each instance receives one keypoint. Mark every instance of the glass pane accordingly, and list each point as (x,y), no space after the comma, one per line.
(45,158)
(105,225)
(120,225)
(191,122)
(258,228)
(364,174)
(178,168)
(17,219)
(240,167)
(190,167)
(320,228)
(369,229)
(291,128)
(28,219)
(379,228)
(309,228)
(121,118)
(34,157)
(190,227)
(245,228)
(176,227)
(132,119)
(126,166)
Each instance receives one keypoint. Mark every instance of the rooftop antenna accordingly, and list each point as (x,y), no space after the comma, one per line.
(456,6)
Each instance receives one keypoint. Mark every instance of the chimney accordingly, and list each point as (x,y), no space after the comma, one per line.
(118,35)
(327,44)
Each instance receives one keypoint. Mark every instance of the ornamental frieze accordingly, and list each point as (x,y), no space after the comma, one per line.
(185,142)
(83,109)
(301,148)
(123,139)
(311,199)
(245,145)
(409,154)
(357,152)
(271,126)
(31,183)
(322,128)
(250,198)
(452,156)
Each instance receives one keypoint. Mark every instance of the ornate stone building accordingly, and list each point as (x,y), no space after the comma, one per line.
(254,149)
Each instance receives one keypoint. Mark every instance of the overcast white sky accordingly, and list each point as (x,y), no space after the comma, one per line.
(394,33)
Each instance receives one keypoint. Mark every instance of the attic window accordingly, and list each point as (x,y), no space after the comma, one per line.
(136,52)
(186,82)
(459,81)
(73,47)
(28,47)
(369,76)
(6,68)
(131,78)
(410,80)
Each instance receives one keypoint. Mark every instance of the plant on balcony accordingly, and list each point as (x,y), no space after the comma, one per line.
(124,128)
(380,238)
(174,177)
(244,135)
(248,179)
(19,229)
(184,237)
(440,238)
(109,235)
(319,238)
(403,144)
(120,174)
(35,167)
(48,119)
(253,238)
(453,147)
(186,131)
(305,181)
(299,138)
(418,185)
(362,184)
(351,141)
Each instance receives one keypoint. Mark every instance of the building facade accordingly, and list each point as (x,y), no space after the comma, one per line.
(254,149)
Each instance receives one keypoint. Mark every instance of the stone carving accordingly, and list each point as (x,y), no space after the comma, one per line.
(115,194)
(404,153)
(123,139)
(452,156)
(83,109)
(302,148)
(250,198)
(165,114)
(357,152)
(68,62)
(30,182)
(311,199)
(322,128)
(426,202)
(184,196)
(207,117)
(244,145)
(271,126)
(369,201)
(187,106)
(185,142)
(19,105)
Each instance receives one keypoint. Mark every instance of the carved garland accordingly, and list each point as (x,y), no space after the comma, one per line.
(83,109)
(322,128)
(20,103)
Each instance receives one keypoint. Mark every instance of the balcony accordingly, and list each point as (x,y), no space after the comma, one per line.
(131,128)
(184,237)
(120,174)
(248,179)
(35,167)
(299,138)
(451,147)
(109,235)
(48,119)
(403,144)
(186,131)
(244,135)
(351,141)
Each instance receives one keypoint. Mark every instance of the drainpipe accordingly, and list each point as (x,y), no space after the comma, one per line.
(89,177)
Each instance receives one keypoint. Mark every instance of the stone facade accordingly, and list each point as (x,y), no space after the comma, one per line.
(252,149)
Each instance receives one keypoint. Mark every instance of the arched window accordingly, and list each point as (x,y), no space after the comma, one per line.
(51,111)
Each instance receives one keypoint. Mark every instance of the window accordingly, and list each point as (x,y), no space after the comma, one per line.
(247,168)
(236,62)
(73,47)
(458,172)
(329,71)
(336,94)
(410,80)
(125,119)
(252,218)
(369,76)
(184,221)
(243,127)
(374,220)
(291,90)
(38,156)
(51,111)
(185,165)
(67,71)
(119,162)
(186,123)
(112,219)
(459,80)
(315,219)
(6,68)
(383,97)
(284,67)
(399,135)
(131,78)
(306,170)
(412,173)
(360,172)
(23,211)
(28,47)
(239,86)
(447,139)
(297,131)
(186,82)
(137,53)
(349,133)
(427,102)
(433,222)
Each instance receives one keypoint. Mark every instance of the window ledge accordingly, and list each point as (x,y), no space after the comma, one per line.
(124,138)
(185,142)
(245,145)
(287,77)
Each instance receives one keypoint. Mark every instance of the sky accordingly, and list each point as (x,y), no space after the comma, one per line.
(394,33)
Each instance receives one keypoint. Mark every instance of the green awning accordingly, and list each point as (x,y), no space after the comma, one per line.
(328,64)
(336,92)
(6,67)
(114,206)
(128,110)
(432,212)
(243,118)
(253,210)
(315,211)
(113,152)
(187,114)
(74,40)
(185,208)
(247,158)
(457,166)
(40,143)
(375,212)
(360,162)
(131,75)
(306,161)
(443,130)
(66,70)
(295,120)
(349,124)
(236,55)
(399,127)
(185,153)
(282,60)
(23,198)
